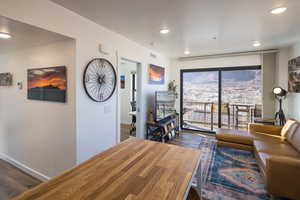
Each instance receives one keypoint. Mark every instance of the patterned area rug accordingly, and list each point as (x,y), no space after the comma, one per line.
(228,174)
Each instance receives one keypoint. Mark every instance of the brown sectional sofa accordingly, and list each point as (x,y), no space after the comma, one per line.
(277,151)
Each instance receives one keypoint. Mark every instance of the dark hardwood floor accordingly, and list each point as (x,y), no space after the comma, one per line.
(14,181)
(125,132)
(187,139)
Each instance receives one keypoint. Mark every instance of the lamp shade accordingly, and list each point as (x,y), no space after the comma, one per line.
(278,91)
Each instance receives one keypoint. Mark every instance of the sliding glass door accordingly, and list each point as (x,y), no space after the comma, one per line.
(242,94)
(200,97)
(220,97)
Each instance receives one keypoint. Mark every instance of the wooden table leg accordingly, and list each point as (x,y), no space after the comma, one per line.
(195,194)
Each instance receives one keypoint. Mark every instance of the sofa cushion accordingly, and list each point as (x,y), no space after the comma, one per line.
(288,128)
(294,137)
(267,137)
(279,149)
(264,128)
(236,136)
(244,137)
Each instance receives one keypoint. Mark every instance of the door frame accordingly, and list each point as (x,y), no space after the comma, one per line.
(138,97)
(216,69)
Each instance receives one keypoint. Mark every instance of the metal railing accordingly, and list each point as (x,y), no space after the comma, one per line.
(204,115)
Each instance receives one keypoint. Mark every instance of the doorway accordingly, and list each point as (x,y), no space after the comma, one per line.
(220,97)
(129,78)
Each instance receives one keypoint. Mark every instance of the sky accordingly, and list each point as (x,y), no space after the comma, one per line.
(212,76)
(54,76)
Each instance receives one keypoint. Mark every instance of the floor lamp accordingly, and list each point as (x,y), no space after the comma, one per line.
(280,94)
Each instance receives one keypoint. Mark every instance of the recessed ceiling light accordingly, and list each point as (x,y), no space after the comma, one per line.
(187,52)
(5,35)
(256,44)
(277,11)
(164,31)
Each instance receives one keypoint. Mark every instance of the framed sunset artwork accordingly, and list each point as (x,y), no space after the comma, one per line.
(47,84)
(156,75)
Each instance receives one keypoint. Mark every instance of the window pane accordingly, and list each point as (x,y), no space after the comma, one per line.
(241,97)
(200,100)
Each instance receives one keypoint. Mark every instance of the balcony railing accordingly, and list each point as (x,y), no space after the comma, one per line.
(204,115)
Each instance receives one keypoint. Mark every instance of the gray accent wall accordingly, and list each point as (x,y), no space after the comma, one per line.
(268,67)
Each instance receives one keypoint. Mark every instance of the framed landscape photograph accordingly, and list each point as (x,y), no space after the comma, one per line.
(5,79)
(47,84)
(156,75)
(294,75)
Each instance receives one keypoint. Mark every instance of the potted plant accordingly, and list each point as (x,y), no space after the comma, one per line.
(173,87)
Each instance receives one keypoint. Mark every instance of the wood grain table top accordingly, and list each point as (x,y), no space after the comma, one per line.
(134,169)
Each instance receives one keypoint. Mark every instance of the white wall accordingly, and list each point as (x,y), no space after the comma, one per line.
(96,123)
(38,134)
(125,69)
(292,105)
(237,61)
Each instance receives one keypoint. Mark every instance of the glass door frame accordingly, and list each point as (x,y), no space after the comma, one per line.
(215,69)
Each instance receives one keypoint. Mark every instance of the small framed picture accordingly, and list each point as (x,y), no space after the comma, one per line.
(122,81)
(5,79)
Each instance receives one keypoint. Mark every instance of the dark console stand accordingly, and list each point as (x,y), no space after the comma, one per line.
(163,130)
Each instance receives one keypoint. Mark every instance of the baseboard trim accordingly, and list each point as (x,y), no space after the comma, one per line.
(24,168)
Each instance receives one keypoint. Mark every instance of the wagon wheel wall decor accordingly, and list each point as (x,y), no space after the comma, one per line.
(99,79)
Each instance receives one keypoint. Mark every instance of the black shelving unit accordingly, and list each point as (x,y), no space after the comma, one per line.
(163,130)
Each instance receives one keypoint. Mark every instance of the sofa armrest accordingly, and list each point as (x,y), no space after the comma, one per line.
(282,176)
(264,128)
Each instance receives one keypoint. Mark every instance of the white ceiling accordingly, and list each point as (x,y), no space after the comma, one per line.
(24,36)
(194,23)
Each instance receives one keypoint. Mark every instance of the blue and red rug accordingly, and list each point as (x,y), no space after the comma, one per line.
(229,174)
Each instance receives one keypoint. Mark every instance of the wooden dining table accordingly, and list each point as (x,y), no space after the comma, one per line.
(134,169)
